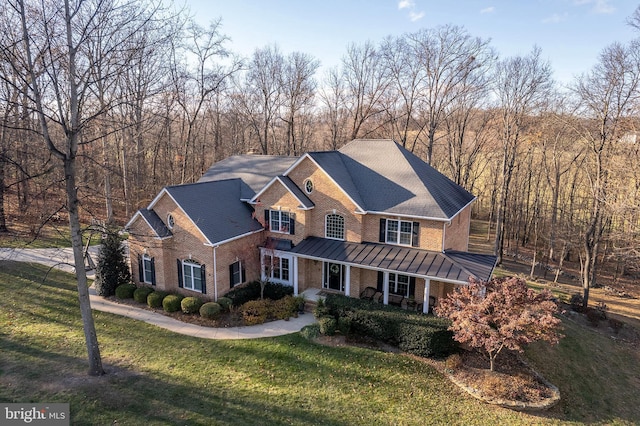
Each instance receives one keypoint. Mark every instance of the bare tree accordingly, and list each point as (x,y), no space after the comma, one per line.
(58,59)
(298,92)
(522,85)
(366,82)
(261,94)
(335,117)
(607,96)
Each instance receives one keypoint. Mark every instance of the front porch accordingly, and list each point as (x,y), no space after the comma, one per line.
(403,276)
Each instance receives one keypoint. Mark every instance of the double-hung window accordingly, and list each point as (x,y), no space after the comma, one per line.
(334,227)
(191,275)
(147,269)
(402,232)
(236,273)
(280,221)
(277,269)
(399,284)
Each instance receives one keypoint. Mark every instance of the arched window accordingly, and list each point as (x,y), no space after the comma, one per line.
(334,227)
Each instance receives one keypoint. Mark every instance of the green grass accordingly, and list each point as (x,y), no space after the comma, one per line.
(160,378)
(49,236)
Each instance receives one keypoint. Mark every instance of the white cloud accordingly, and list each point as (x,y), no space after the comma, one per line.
(490,9)
(416,16)
(556,18)
(406,4)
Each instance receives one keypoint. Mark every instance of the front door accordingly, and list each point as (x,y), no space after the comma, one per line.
(333,276)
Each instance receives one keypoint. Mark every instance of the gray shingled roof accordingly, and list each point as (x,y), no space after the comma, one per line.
(256,171)
(215,208)
(458,267)
(382,176)
(305,202)
(156,224)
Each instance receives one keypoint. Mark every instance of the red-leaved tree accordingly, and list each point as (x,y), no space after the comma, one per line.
(502,313)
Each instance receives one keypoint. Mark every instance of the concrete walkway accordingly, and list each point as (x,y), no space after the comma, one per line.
(270,329)
(63,259)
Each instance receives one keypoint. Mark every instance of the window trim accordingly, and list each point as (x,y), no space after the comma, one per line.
(279,221)
(193,266)
(240,273)
(271,269)
(412,233)
(394,282)
(326,226)
(147,279)
(308,186)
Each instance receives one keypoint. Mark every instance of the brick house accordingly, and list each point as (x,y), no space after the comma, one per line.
(368,219)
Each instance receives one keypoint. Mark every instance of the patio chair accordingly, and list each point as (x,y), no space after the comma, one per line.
(368,293)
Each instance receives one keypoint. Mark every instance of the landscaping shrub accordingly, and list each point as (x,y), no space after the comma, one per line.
(140,294)
(191,305)
(594,316)
(616,325)
(112,269)
(321,309)
(210,310)
(576,302)
(154,299)
(327,325)
(284,308)
(344,325)
(125,291)
(415,333)
(453,362)
(426,341)
(225,303)
(251,291)
(310,331)
(171,303)
(255,311)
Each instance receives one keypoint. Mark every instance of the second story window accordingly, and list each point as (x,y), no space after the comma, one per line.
(279,221)
(334,227)
(401,232)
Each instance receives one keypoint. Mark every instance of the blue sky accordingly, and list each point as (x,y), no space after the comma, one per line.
(571,33)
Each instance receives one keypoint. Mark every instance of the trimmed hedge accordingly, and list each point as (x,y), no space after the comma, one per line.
(125,291)
(422,335)
(251,291)
(191,305)
(210,310)
(225,303)
(154,300)
(310,331)
(140,294)
(171,303)
(327,325)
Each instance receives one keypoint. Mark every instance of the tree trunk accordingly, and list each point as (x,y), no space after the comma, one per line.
(91,338)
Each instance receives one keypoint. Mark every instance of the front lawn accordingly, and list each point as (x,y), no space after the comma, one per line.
(160,378)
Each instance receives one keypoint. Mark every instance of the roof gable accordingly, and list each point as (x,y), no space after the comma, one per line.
(153,221)
(289,186)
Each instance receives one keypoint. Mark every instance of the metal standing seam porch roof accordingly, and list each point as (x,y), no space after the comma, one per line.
(455,266)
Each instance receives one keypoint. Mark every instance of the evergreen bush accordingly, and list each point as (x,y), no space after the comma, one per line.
(225,303)
(112,269)
(171,303)
(154,299)
(125,291)
(210,310)
(191,305)
(141,293)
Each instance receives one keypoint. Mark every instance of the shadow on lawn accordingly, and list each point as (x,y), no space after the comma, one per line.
(128,397)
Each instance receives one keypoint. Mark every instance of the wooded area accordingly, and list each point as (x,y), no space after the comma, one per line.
(131,96)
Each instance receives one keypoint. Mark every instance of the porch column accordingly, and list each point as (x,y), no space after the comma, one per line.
(295,275)
(427,290)
(385,289)
(347,280)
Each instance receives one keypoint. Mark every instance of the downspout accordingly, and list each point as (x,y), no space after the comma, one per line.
(215,274)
